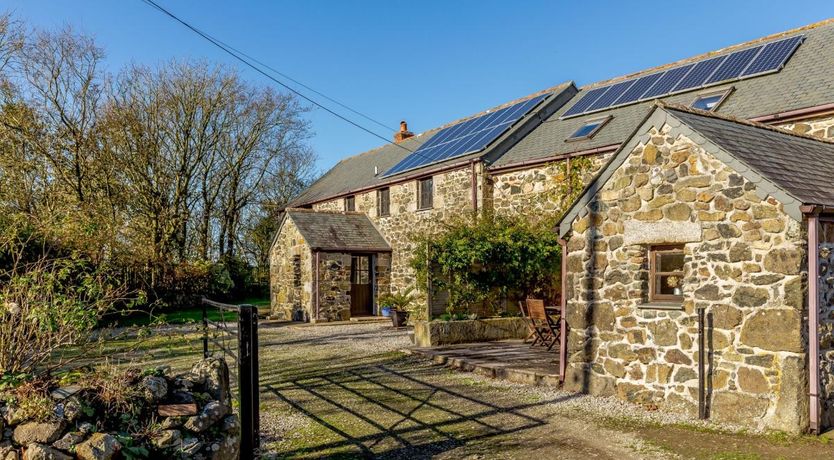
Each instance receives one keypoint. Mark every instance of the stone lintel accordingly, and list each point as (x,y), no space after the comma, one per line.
(666,232)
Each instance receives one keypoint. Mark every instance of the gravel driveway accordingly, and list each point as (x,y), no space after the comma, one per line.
(346,391)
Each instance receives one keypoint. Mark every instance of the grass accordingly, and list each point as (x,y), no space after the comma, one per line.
(185,315)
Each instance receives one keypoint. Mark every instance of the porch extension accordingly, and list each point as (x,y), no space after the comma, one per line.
(510,360)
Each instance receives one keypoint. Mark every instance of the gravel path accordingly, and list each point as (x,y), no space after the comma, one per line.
(345,391)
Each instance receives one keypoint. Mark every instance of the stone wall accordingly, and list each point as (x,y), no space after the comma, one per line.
(537,190)
(334,287)
(743,262)
(452,199)
(826,327)
(290,273)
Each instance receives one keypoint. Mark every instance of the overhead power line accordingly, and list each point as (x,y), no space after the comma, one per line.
(242,57)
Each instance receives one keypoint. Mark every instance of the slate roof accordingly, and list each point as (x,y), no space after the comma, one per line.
(802,166)
(796,169)
(357,172)
(333,231)
(806,80)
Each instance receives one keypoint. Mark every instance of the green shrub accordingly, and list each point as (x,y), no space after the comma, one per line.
(490,261)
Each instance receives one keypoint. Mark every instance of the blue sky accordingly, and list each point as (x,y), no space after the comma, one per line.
(427,62)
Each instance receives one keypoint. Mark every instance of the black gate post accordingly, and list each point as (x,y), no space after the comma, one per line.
(248,376)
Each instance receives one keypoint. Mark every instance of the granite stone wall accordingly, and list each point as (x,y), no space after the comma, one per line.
(452,200)
(743,263)
(537,190)
(334,287)
(291,276)
(826,327)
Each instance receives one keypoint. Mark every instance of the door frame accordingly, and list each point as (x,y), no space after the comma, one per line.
(371,258)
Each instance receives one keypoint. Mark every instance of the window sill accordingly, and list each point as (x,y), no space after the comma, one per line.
(425,209)
(670,305)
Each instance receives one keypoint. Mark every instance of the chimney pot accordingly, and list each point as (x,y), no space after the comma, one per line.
(403,134)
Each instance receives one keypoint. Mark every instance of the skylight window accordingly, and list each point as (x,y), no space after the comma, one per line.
(710,101)
(589,129)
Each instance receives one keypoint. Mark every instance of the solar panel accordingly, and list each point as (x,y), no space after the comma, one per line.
(586,101)
(465,137)
(668,81)
(773,56)
(638,88)
(613,93)
(745,63)
(734,64)
(699,74)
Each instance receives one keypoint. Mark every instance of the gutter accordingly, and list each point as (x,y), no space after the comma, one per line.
(795,114)
(579,153)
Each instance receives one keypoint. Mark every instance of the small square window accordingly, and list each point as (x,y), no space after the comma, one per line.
(383,200)
(589,129)
(425,192)
(710,101)
(666,273)
(350,203)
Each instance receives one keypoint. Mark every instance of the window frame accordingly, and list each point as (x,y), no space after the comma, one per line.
(721,92)
(420,186)
(350,203)
(379,208)
(600,123)
(654,273)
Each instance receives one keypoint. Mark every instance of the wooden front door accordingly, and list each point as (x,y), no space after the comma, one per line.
(361,287)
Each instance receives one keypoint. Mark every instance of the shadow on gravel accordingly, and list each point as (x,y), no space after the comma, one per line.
(376,411)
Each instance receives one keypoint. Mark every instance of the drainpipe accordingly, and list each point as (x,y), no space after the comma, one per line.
(702,409)
(474,182)
(317,287)
(813,321)
(563,324)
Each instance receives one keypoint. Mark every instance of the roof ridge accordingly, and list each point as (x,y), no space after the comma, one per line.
(741,121)
(701,56)
(560,87)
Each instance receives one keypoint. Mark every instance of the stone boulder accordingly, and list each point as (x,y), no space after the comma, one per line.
(211,414)
(154,388)
(37,432)
(100,446)
(213,374)
(774,330)
(37,451)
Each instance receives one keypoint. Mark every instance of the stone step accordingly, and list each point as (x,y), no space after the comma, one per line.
(370,319)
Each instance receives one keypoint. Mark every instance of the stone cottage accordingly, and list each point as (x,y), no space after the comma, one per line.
(693,198)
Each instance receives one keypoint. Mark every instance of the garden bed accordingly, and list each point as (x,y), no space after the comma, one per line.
(434,333)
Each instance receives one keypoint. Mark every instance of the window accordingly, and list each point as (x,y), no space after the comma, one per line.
(383,202)
(710,101)
(350,203)
(589,129)
(425,190)
(666,273)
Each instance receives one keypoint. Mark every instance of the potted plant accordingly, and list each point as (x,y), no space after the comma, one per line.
(397,305)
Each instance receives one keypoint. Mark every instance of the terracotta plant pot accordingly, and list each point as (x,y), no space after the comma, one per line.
(398,318)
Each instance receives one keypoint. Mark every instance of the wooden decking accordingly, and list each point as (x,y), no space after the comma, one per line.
(510,360)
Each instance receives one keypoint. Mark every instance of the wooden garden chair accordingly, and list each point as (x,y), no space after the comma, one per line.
(545,327)
(531,335)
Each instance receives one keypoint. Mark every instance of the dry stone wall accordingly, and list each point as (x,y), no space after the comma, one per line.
(290,274)
(743,262)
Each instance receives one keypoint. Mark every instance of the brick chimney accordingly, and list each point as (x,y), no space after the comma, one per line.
(403,134)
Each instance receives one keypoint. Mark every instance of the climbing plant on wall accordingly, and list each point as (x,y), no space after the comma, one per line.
(489,261)
(572,176)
